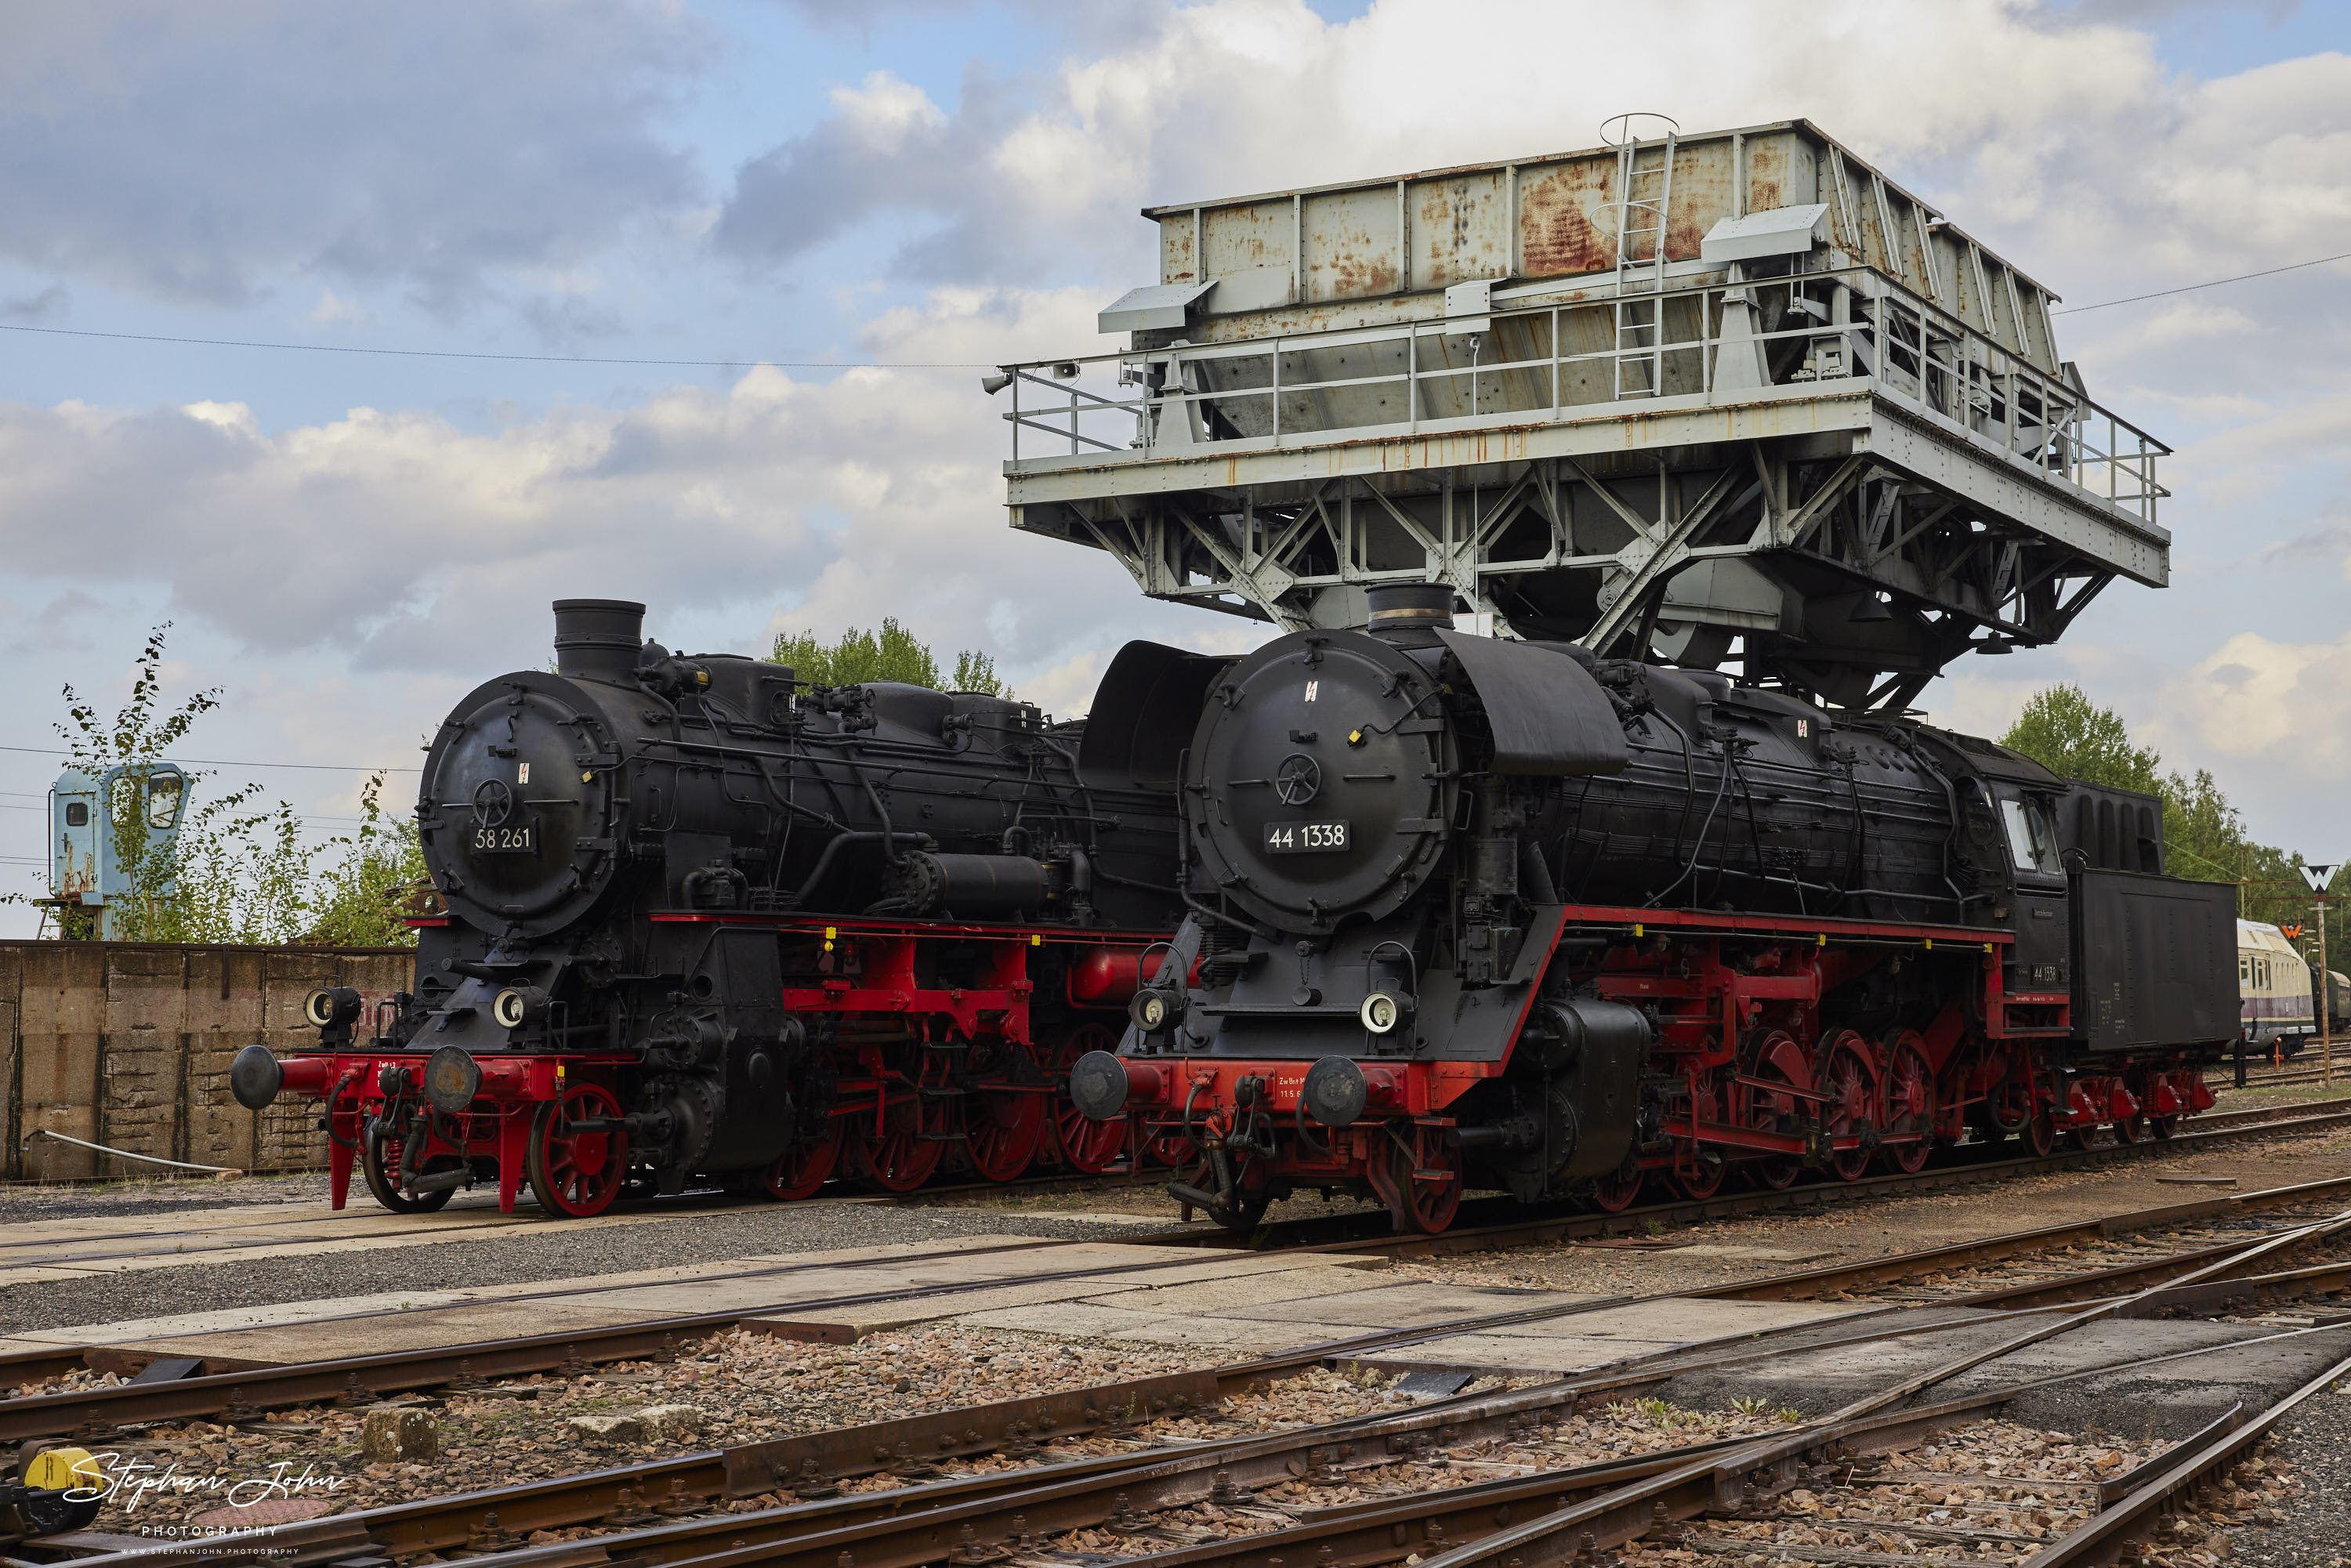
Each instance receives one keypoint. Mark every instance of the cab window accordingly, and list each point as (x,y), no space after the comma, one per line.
(2031,835)
(163,801)
(76,813)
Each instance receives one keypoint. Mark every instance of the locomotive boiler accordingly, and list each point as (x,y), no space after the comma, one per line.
(1471,913)
(702,919)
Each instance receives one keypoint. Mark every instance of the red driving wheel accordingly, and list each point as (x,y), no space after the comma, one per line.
(1852,1089)
(897,1154)
(1003,1127)
(1910,1101)
(573,1171)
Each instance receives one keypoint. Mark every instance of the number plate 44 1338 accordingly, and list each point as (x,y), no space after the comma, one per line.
(1298,838)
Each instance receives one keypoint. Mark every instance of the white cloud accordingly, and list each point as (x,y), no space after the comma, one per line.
(202,152)
(2255,697)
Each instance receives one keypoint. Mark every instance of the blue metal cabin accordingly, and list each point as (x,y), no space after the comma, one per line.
(87,876)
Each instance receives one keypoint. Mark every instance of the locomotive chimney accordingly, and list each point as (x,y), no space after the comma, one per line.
(598,639)
(1407,612)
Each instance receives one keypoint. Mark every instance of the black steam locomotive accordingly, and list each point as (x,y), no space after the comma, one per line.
(1474,912)
(704,919)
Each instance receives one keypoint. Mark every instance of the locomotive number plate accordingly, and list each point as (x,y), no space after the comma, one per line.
(1298,838)
(522,840)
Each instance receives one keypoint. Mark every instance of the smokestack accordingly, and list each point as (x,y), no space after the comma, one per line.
(1403,608)
(598,639)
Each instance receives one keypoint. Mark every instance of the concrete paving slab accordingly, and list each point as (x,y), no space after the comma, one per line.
(228,1318)
(1486,1351)
(1236,1337)
(1411,1305)
(1068,1320)
(461,1324)
(2127,1396)
(1678,1319)
(1255,1289)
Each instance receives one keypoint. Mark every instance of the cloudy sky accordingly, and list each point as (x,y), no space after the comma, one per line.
(771,190)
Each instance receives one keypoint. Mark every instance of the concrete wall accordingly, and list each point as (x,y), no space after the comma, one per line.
(127,1044)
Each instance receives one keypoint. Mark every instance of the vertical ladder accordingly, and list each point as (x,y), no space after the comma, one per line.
(1644,198)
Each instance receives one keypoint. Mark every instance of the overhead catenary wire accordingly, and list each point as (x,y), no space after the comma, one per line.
(743,363)
(2209,283)
(219,762)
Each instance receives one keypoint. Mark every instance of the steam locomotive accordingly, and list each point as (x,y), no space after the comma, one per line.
(703,919)
(1470,913)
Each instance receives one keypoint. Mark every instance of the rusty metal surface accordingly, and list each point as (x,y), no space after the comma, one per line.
(1556,215)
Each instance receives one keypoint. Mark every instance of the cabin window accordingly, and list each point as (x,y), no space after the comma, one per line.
(163,801)
(2031,836)
(76,813)
(2245,971)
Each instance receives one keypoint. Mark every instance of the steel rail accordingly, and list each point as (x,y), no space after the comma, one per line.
(1291,1236)
(238,1390)
(2123,1528)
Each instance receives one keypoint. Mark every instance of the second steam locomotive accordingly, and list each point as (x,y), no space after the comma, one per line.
(1469,913)
(705,920)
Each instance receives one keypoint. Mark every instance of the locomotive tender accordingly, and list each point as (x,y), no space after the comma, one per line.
(1473,913)
(706,920)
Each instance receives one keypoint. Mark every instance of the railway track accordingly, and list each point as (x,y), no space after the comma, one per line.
(232,1387)
(663,1513)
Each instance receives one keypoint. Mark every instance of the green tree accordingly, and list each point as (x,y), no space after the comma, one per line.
(363,897)
(893,653)
(2062,729)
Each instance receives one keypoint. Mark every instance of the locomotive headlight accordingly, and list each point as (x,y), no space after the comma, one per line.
(517,1005)
(1383,1010)
(1153,1010)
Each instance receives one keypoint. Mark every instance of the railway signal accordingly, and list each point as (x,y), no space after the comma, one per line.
(2318,876)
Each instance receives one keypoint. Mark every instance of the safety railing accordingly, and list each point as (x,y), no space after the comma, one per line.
(1523,361)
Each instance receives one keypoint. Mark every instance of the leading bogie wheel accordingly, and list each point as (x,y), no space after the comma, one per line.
(1428,1188)
(380,1152)
(577,1172)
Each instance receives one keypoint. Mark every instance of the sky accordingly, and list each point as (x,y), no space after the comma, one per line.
(774,191)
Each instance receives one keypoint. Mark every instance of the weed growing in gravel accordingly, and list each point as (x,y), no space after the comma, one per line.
(1751,1405)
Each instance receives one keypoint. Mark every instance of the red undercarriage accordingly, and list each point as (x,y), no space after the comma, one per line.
(1758,1083)
(916,1070)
